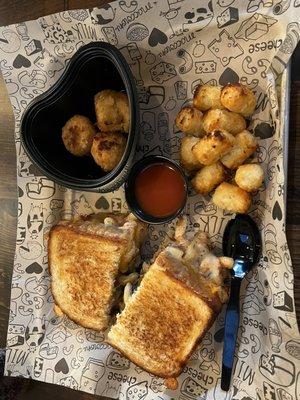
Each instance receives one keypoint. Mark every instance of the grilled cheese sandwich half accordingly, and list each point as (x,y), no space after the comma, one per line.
(176,303)
(85,258)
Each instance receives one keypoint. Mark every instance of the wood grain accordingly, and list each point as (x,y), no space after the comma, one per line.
(73,4)
(14,11)
(293,186)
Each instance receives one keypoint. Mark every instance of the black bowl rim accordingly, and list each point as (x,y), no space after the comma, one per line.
(129,193)
(90,50)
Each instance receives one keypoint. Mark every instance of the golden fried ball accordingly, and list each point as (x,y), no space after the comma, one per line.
(238,98)
(231,198)
(112,111)
(213,146)
(190,121)
(249,177)
(207,96)
(223,119)
(78,134)
(208,178)
(187,158)
(245,145)
(107,149)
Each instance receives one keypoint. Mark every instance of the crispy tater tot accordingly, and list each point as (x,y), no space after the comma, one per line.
(78,134)
(249,177)
(207,96)
(238,98)
(213,146)
(107,149)
(190,121)
(223,119)
(245,145)
(112,111)
(231,198)
(208,178)
(187,158)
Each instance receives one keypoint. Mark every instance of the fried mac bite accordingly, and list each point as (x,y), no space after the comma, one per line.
(112,111)
(249,177)
(107,149)
(190,121)
(238,98)
(78,134)
(213,146)
(207,96)
(187,158)
(223,119)
(231,198)
(245,145)
(208,178)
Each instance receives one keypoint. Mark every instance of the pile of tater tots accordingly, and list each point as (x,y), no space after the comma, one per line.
(217,144)
(106,140)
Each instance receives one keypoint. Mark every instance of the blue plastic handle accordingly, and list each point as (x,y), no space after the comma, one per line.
(230,332)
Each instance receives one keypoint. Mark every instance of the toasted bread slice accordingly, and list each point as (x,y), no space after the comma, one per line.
(164,319)
(85,257)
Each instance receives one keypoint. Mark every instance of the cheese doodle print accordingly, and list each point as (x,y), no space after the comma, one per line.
(171,47)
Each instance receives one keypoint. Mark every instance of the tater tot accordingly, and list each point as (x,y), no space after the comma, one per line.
(187,158)
(208,178)
(231,198)
(78,134)
(112,111)
(190,121)
(107,149)
(207,96)
(249,177)
(223,119)
(213,146)
(245,145)
(238,98)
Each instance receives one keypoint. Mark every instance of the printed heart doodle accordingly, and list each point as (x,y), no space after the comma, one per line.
(277,213)
(157,37)
(20,192)
(102,203)
(62,366)
(228,76)
(21,61)
(264,130)
(34,268)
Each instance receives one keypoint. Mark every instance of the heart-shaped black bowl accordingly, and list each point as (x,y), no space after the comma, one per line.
(93,67)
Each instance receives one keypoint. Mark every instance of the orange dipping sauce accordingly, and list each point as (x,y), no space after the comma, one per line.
(160,190)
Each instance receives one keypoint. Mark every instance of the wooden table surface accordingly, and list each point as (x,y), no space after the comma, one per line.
(13,11)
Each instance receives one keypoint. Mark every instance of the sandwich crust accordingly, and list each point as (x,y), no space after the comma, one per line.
(176,303)
(85,257)
(161,324)
(83,268)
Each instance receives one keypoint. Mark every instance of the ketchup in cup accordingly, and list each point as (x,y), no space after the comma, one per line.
(156,189)
(160,190)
